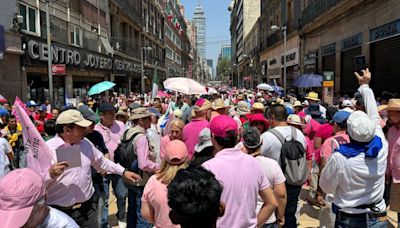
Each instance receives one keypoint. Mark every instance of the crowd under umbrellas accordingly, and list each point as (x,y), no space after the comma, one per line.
(198,156)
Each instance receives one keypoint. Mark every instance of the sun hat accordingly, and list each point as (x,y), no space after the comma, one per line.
(258,117)
(140,113)
(121,113)
(201,105)
(240,97)
(297,104)
(312,96)
(155,111)
(176,152)
(295,120)
(20,191)
(123,108)
(305,103)
(106,106)
(313,109)
(341,117)
(204,140)
(88,114)
(393,105)
(251,137)
(360,127)
(259,94)
(178,113)
(223,126)
(72,116)
(258,106)
(242,108)
(219,104)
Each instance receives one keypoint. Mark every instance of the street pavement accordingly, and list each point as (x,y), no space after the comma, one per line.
(308,214)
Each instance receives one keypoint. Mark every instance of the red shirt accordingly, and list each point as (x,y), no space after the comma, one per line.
(40,121)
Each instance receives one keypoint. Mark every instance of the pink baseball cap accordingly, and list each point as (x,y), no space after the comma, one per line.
(223,126)
(20,191)
(176,152)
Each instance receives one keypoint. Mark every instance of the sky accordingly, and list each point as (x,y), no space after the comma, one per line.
(217,24)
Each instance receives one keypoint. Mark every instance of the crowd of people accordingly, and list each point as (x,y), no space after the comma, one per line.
(229,159)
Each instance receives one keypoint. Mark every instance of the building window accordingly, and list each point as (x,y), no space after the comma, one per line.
(76,35)
(30,18)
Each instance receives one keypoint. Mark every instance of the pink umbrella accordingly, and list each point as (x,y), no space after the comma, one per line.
(162,93)
(3,99)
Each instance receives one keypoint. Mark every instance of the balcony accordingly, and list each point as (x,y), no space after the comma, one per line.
(131,10)
(315,9)
(124,46)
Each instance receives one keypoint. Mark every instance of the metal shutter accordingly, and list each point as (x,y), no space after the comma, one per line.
(348,82)
(385,65)
(328,63)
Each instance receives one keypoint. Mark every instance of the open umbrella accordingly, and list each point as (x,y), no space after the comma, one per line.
(2,99)
(4,112)
(184,85)
(162,93)
(100,87)
(265,86)
(308,81)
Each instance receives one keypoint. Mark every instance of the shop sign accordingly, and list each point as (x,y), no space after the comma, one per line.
(329,49)
(328,86)
(327,83)
(328,76)
(351,42)
(292,57)
(386,30)
(126,66)
(310,61)
(58,69)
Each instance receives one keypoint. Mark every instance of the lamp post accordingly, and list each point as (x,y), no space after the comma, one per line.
(283,29)
(142,52)
(49,55)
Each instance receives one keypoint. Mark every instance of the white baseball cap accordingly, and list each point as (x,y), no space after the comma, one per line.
(347,103)
(360,127)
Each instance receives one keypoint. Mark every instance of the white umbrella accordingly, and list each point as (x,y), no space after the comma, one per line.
(185,85)
(265,86)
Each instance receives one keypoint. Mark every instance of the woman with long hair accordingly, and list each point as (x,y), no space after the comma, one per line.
(175,133)
(155,207)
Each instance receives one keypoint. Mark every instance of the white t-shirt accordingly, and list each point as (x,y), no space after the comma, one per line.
(5,148)
(271,146)
(274,175)
(58,219)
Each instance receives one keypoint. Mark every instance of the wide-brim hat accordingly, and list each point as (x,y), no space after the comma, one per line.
(312,96)
(219,104)
(297,104)
(140,113)
(295,120)
(258,106)
(242,108)
(393,105)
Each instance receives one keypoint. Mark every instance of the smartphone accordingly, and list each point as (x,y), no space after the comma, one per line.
(360,64)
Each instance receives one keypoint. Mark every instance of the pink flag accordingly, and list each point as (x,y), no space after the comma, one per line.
(21,104)
(39,155)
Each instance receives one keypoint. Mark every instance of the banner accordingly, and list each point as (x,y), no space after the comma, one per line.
(39,156)
(22,105)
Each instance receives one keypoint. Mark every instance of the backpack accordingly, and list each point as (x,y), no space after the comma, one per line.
(125,153)
(293,158)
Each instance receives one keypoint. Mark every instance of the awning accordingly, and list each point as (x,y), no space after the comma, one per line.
(107,45)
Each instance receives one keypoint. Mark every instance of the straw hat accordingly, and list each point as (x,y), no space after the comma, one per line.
(219,104)
(258,106)
(312,96)
(297,104)
(295,120)
(393,105)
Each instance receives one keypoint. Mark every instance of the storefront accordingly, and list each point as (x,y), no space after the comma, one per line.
(384,57)
(311,62)
(292,66)
(329,57)
(84,68)
(350,48)
(126,75)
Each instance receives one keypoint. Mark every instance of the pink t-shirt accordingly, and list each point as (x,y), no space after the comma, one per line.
(310,148)
(394,153)
(191,134)
(329,146)
(325,131)
(242,178)
(156,194)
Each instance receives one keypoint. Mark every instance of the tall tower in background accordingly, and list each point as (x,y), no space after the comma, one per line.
(199,19)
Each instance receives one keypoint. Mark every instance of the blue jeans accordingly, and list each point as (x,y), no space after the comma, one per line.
(293,193)
(120,193)
(135,219)
(365,222)
(271,225)
(19,158)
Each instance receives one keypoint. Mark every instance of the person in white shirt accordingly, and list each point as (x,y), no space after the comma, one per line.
(6,155)
(355,173)
(271,148)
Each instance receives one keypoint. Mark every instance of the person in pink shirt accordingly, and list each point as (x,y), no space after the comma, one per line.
(393,171)
(191,131)
(71,190)
(112,131)
(155,207)
(241,188)
(175,133)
